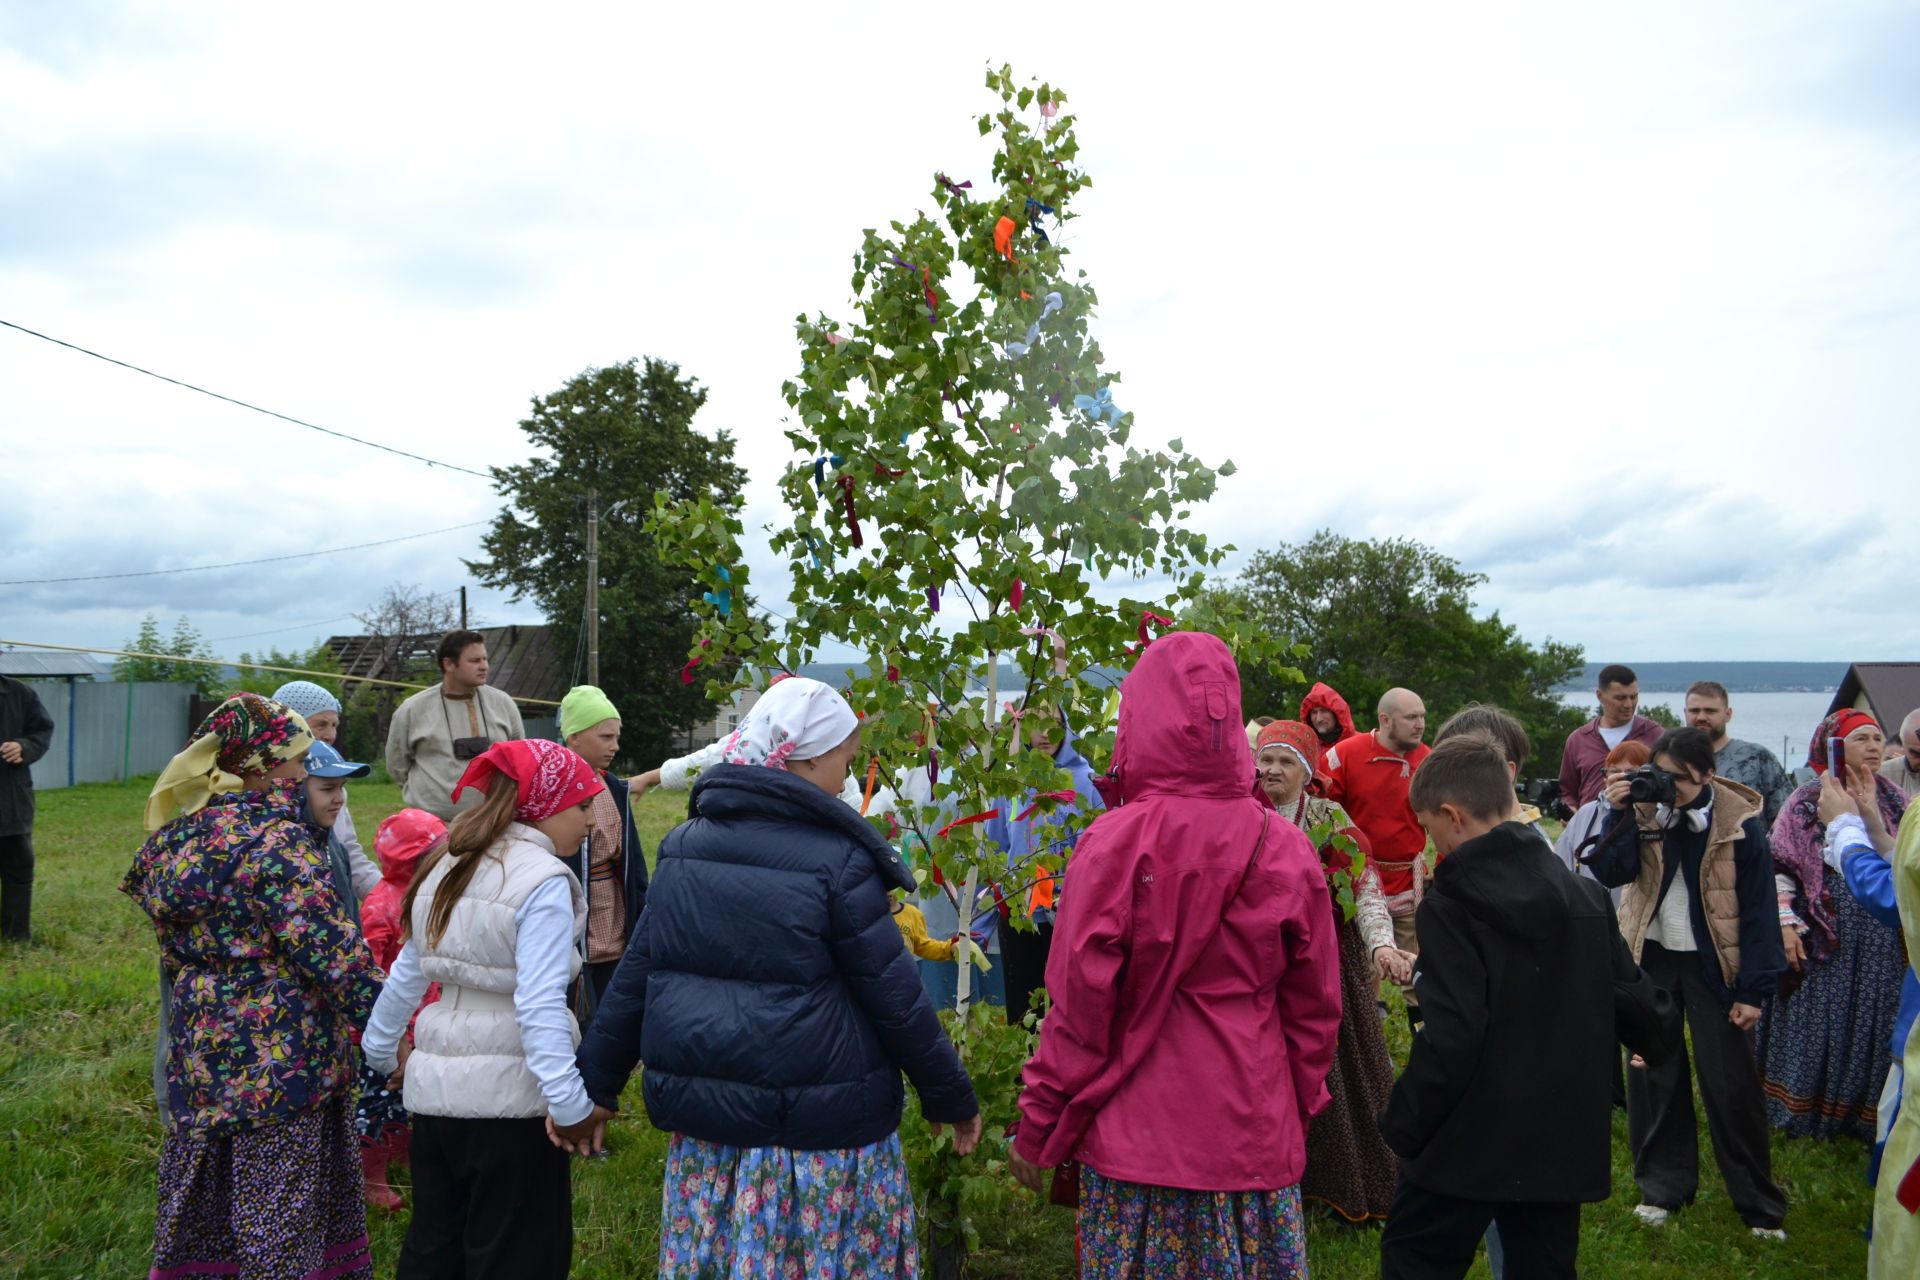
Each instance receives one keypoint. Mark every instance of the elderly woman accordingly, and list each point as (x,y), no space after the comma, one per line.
(1350,1168)
(260,1173)
(768,993)
(1196,996)
(1824,1047)
(611,865)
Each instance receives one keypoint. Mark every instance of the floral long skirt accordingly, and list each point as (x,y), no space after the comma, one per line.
(1132,1231)
(767,1213)
(278,1202)
(1824,1050)
(1350,1167)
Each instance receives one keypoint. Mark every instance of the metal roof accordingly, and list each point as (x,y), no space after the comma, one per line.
(35,664)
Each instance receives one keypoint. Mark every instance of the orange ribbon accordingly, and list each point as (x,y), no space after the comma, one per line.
(1003,237)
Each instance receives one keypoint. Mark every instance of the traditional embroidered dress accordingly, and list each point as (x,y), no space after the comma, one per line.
(1824,1049)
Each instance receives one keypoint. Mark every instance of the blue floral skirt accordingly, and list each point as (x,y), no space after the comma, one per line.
(1824,1051)
(1132,1231)
(768,1213)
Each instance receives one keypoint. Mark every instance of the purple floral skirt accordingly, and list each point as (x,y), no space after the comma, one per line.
(747,1213)
(1132,1231)
(278,1202)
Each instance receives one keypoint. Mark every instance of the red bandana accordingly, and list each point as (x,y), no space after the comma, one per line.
(1838,725)
(550,777)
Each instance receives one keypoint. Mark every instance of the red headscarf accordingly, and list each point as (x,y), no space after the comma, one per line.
(1840,724)
(1296,737)
(550,777)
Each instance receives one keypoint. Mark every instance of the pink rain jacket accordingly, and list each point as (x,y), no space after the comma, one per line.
(1196,987)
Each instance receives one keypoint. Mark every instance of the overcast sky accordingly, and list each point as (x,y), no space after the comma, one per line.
(1614,303)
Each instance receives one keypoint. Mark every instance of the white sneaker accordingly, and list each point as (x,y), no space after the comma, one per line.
(1769,1233)
(1653,1215)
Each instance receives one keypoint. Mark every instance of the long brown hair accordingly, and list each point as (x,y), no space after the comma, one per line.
(473,832)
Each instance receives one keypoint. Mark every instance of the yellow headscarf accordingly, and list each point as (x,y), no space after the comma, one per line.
(245,734)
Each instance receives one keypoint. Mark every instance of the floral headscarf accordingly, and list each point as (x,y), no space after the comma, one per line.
(795,719)
(550,776)
(245,734)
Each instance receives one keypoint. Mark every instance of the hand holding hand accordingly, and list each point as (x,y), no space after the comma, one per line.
(10,752)
(1744,1016)
(1795,949)
(1027,1173)
(587,1138)
(399,1077)
(966,1134)
(1390,964)
(1835,800)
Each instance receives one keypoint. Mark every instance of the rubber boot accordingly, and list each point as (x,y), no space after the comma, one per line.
(373,1172)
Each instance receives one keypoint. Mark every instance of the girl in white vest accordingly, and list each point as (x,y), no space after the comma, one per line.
(493,917)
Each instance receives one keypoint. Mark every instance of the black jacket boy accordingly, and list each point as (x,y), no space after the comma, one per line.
(1526,986)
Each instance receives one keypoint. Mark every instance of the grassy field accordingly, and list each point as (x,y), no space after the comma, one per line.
(80,1137)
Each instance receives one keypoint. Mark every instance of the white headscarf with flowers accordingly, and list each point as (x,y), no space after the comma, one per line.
(795,719)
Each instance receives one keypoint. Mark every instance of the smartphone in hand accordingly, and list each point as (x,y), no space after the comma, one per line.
(1837,759)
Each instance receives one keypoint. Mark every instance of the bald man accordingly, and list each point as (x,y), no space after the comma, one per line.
(1902,768)
(1368,775)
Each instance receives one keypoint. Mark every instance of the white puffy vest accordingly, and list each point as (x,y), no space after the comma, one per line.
(467,1060)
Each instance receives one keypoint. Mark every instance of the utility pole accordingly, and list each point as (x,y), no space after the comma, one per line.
(463,608)
(593,587)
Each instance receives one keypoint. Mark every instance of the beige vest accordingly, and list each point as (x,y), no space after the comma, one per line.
(467,1060)
(1733,804)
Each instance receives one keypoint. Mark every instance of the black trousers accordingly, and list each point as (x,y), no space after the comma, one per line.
(1433,1237)
(16,887)
(1023,965)
(492,1200)
(1660,1123)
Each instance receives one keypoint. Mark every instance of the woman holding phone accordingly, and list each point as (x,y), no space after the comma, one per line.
(1823,1043)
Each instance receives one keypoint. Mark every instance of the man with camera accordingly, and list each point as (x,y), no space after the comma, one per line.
(1583,763)
(1699,915)
(436,731)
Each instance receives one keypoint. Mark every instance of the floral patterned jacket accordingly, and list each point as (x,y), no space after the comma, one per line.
(268,974)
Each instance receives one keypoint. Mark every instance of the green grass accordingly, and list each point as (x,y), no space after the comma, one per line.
(80,1137)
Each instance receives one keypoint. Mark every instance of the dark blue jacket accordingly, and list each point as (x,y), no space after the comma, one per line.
(766,985)
(633,854)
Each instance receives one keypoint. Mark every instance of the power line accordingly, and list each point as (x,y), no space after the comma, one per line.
(248,635)
(237,564)
(298,422)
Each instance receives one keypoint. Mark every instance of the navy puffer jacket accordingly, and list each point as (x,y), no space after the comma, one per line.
(766,985)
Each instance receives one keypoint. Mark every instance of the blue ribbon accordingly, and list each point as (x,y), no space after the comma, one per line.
(1034,210)
(1053,303)
(820,470)
(723,598)
(1099,406)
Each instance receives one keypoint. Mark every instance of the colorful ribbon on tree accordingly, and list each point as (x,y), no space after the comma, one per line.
(1034,210)
(926,281)
(1147,617)
(958,188)
(853,513)
(1064,797)
(967,821)
(1099,406)
(686,672)
(1003,237)
(1016,594)
(1053,302)
(723,598)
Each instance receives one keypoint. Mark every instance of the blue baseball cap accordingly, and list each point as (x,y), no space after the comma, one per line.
(324,762)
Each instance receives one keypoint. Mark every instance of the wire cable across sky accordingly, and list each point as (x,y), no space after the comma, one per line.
(237,564)
(284,417)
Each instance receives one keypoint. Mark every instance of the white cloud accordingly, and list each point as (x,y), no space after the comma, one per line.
(1615,305)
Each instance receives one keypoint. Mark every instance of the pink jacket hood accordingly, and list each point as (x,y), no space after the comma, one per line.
(1195,983)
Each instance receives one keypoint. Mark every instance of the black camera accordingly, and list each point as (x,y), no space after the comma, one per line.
(1544,795)
(469,748)
(1650,784)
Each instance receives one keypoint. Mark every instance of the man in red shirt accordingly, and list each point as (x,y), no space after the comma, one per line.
(1368,775)
(1583,762)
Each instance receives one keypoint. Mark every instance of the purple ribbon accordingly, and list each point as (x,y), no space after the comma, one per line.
(956,187)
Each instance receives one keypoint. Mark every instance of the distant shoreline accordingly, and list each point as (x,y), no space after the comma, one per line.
(1739,677)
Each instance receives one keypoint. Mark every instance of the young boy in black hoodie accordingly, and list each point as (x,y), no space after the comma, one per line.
(1503,1114)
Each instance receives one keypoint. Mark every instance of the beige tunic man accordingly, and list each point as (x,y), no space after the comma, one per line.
(437,731)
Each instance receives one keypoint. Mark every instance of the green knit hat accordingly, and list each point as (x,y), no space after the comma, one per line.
(584,707)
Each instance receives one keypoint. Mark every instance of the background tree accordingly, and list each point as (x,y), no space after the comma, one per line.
(185,642)
(624,431)
(1375,614)
(316,658)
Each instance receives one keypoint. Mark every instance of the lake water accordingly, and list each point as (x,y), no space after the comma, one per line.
(1783,723)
